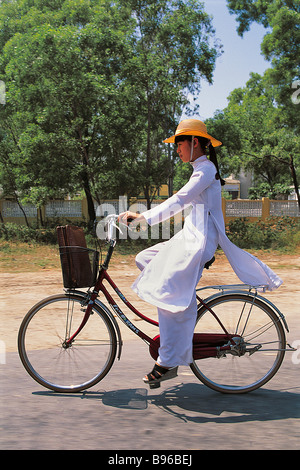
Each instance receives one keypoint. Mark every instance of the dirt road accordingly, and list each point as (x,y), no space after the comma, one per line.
(121,412)
(19,291)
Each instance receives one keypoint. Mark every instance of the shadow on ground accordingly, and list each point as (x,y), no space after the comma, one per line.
(196,403)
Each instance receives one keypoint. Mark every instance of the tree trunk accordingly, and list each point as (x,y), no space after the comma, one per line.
(22,209)
(89,198)
(294,176)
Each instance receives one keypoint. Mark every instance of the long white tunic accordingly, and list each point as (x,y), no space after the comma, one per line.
(170,278)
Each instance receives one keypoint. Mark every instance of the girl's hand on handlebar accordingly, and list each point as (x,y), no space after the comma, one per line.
(131,218)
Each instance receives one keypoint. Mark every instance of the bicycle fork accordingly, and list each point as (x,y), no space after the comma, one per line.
(88,311)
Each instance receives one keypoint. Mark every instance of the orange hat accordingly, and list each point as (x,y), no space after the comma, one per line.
(192,127)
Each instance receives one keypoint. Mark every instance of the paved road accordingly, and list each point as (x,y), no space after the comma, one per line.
(122,413)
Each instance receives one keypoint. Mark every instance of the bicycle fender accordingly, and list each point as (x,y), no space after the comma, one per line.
(252,295)
(276,310)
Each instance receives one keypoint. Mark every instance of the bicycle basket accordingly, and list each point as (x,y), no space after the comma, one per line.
(79,264)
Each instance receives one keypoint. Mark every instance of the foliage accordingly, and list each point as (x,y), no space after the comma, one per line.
(260,126)
(278,233)
(280,45)
(254,137)
(23,233)
(281,233)
(92,88)
(272,192)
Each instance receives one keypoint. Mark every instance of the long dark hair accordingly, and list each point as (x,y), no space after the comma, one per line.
(204,144)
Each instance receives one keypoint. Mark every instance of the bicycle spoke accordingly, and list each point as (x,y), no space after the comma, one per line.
(50,360)
(258,353)
(260,331)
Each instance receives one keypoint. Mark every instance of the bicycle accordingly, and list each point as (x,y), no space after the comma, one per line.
(69,342)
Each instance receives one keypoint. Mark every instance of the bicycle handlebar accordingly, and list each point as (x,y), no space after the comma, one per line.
(107,226)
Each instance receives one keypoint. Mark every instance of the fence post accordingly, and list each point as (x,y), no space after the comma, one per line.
(265,210)
(224,207)
(43,214)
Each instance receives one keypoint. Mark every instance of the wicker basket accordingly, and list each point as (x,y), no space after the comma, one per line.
(79,266)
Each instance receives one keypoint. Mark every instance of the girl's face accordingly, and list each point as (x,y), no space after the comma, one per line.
(184,150)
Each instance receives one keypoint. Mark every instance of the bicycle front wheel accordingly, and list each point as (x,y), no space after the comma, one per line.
(42,344)
(260,345)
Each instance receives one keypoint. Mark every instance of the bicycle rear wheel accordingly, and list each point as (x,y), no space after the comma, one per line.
(260,349)
(43,351)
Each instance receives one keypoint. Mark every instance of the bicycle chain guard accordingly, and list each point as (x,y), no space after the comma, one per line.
(207,345)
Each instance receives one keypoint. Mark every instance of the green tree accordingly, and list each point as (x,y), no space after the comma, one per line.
(254,138)
(61,63)
(174,52)
(280,45)
(92,89)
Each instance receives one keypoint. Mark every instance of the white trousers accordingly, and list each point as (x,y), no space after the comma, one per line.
(176,329)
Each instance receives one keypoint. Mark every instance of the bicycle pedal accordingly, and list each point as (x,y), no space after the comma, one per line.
(154,385)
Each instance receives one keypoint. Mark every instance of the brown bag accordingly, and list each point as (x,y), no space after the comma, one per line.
(79,263)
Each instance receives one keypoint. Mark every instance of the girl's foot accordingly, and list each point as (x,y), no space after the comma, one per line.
(158,374)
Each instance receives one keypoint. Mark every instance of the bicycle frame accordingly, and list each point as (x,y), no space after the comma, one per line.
(99,287)
(152,342)
(91,299)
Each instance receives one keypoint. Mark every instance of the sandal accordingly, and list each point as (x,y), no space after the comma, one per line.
(158,374)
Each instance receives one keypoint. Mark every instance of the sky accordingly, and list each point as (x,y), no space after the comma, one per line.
(240,57)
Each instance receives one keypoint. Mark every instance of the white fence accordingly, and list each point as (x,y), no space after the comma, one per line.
(261,208)
(78,209)
(279,208)
(240,208)
(52,209)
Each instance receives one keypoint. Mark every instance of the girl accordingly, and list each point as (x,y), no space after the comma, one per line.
(170,271)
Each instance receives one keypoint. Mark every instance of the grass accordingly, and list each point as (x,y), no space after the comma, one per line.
(24,257)
(23,249)
(17,257)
